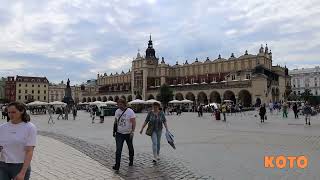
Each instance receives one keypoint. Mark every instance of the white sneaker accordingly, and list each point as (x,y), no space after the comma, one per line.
(158,157)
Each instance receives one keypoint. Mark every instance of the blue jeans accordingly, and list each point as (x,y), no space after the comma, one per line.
(9,171)
(156,139)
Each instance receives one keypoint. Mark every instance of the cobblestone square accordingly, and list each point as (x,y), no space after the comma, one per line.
(206,148)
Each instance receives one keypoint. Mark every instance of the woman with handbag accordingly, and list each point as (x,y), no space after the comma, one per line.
(155,119)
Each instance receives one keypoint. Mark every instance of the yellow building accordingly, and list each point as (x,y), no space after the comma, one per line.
(31,89)
(248,79)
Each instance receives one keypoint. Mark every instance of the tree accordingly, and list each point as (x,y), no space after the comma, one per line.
(165,95)
(306,95)
(293,97)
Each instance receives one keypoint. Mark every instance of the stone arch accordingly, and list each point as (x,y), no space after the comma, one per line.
(123,97)
(179,96)
(129,98)
(150,96)
(229,95)
(84,100)
(202,98)
(215,97)
(116,99)
(190,96)
(94,99)
(99,98)
(110,98)
(245,98)
(89,99)
(139,97)
(104,99)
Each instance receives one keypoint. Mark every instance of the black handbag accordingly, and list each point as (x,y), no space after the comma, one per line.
(115,124)
(150,127)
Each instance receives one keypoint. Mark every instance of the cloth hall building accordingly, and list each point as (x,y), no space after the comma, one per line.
(248,79)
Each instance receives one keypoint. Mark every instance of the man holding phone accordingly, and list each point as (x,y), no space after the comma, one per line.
(124,126)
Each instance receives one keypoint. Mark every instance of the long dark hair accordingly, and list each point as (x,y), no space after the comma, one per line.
(22,108)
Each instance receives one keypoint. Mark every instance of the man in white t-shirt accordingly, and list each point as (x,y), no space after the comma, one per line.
(125,124)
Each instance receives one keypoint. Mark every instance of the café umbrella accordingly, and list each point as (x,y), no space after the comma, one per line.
(137,101)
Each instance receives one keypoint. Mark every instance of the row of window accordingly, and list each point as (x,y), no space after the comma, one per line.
(26,91)
(32,97)
(306,85)
(26,85)
(299,92)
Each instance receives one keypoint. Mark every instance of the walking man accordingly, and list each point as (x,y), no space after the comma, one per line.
(60,113)
(307,112)
(50,112)
(295,110)
(124,127)
(285,110)
(224,111)
(66,113)
(74,112)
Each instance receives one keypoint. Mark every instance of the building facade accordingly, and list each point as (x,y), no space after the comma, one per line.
(248,79)
(30,89)
(10,89)
(305,78)
(2,89)
(57,92)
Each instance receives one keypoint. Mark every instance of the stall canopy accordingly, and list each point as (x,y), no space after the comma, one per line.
(151,101)
(58,103)
(137,101)
(37,103)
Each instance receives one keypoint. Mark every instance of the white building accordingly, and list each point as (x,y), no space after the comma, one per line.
(57,92)
(305,78)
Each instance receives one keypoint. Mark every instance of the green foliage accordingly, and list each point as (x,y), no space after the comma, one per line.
(165,95)
(306,95)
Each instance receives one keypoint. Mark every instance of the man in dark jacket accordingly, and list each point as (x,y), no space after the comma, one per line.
(262,112)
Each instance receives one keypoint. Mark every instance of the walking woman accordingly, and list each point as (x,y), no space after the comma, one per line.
(17,142)
(155,119)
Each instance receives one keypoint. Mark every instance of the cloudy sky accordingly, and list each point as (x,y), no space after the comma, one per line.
(80,38)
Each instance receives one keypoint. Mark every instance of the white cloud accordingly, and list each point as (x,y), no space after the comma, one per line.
(99,36)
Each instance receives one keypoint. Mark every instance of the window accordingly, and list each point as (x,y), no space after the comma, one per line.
(38,97)
(19,85)
(38,85)
(45,91)
(248,76)
(233,77)
(25,97)
(32,91)
(298,92)
(317,92)
(19,90)
(295,93)
(45,85)
(38,91)
(19,97)
(25,91)
(44,98)
(26,85)
(32,85)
